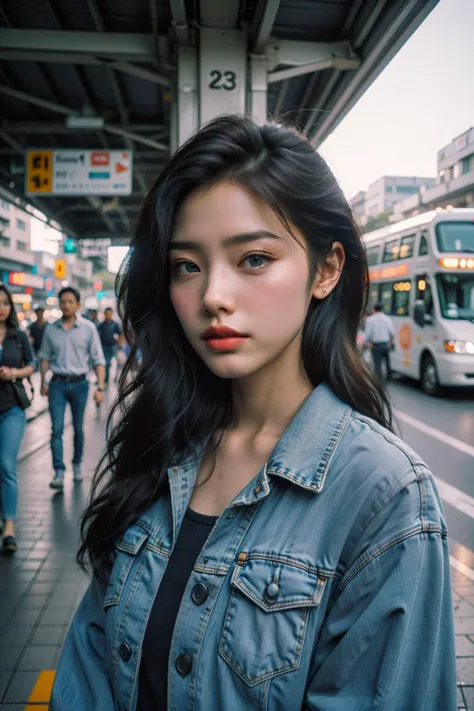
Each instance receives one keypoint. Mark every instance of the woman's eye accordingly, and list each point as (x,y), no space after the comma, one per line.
(184,267)
(257,260)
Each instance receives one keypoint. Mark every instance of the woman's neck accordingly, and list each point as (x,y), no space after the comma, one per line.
(265,402)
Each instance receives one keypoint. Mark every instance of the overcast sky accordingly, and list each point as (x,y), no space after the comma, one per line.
(420,102)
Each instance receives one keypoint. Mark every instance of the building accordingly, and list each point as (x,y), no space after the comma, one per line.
(454,182)
(357,204)
(385,192)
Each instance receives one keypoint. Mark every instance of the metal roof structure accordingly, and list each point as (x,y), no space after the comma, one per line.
(116,60)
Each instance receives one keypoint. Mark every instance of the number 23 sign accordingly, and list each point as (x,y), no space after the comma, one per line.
(222,80)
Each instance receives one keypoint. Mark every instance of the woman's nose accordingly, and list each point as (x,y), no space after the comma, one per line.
(219,294)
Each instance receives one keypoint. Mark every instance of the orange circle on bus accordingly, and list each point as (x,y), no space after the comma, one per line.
(405,337)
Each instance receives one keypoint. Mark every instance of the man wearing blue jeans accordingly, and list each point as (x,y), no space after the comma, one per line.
(68,346)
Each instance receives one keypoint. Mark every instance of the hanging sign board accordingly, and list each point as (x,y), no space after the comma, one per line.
(78,172)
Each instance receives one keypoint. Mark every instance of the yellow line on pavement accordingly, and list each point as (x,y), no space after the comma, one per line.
(42,691)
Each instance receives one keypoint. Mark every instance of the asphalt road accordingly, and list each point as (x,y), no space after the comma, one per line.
(441,430)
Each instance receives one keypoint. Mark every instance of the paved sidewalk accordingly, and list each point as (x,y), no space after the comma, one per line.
(41,586)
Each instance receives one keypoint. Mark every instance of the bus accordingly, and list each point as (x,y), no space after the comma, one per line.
(422,271)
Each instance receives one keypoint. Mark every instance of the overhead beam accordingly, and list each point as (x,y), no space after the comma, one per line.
(180,20)
(47,127)
(109,128)
(122,46)
(264,19)
(404,24)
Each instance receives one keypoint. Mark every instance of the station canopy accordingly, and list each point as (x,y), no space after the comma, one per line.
(100,75)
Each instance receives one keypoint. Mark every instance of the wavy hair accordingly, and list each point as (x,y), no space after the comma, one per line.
(172,401)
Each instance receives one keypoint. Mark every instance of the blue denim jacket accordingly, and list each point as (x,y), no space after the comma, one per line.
(346,525)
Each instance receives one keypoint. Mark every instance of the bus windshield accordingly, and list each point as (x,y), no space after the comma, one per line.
(456,295)
(455,236)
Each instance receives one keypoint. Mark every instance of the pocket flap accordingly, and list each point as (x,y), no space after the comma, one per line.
(276,585)
(132,540)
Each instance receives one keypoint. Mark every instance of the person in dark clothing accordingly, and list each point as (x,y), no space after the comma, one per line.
(36,330)
(109,332)
(16,363)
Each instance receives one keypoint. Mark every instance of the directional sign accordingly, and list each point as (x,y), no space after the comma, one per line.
(39,172)
(60,269)
(77,172)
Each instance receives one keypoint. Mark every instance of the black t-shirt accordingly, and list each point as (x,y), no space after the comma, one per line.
(152,688)
(37,333)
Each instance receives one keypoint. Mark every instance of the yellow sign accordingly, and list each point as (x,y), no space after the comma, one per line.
(60,269)
(39,172)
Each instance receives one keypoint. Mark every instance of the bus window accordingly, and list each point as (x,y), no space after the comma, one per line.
(456,295)
(423,248)
(373,255)
(407,246)
(401,298)
(455,236)
(423,292)
(386,297)
(392,250)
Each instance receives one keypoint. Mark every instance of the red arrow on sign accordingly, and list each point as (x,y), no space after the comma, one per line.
(120,168)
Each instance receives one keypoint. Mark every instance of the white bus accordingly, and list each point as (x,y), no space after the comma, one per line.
(422,271)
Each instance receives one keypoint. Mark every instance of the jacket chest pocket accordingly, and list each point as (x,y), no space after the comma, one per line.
(127,550)
(267,616)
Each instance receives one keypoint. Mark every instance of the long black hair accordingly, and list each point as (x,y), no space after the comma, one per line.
(173,402)
(12,320)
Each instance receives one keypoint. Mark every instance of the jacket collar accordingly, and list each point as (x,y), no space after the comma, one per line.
(304,451)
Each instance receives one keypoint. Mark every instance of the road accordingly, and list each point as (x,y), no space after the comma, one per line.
(441,430)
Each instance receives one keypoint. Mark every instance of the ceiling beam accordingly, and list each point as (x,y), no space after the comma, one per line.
(109,128)
(61,128)
(264,19)
(84,59)
(122,46)
(404,24)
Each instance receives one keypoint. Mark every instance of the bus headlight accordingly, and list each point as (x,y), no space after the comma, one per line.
(462,347)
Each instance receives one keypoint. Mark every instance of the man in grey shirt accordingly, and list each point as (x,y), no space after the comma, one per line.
(68,346)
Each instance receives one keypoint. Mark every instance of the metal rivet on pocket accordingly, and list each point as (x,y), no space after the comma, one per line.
(272,592)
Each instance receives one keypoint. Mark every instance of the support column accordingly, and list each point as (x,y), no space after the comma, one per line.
(222,72)
(185,110)
(257,94)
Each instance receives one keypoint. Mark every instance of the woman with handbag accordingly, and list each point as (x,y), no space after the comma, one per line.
(16,363)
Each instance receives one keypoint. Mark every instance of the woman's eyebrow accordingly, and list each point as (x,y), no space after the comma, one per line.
(242,238)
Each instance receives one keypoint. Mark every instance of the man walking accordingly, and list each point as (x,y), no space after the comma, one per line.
(69,345)
(109,332)
(36,330)
(379,335)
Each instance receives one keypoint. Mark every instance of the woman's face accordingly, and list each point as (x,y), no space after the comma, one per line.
(233,264)
(5,307)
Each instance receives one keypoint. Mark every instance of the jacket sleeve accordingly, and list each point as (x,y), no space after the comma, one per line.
(82,680)
(388,641)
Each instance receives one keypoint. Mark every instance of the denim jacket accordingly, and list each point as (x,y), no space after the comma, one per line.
(328,586)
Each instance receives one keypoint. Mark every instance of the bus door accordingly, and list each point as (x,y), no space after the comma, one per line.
(426,335)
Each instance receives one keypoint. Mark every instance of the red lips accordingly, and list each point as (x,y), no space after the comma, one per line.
(221,332)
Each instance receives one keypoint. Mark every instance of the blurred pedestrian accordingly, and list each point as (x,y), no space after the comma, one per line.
(259,537)
(110,333)
(69,345)
(36,329)
(94,317)
(16,363)
(379,337)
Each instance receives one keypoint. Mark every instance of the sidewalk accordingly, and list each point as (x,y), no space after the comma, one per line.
(41,586)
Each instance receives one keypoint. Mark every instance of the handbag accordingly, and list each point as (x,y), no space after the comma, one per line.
(24,400)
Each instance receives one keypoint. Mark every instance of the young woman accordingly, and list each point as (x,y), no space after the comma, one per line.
(16,362)
(260,539)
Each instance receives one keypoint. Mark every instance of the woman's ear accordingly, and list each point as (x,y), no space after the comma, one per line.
(329,272)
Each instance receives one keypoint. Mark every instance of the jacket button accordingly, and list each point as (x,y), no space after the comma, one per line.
(183,664)
(272,592)
(125,652)
(199,594)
